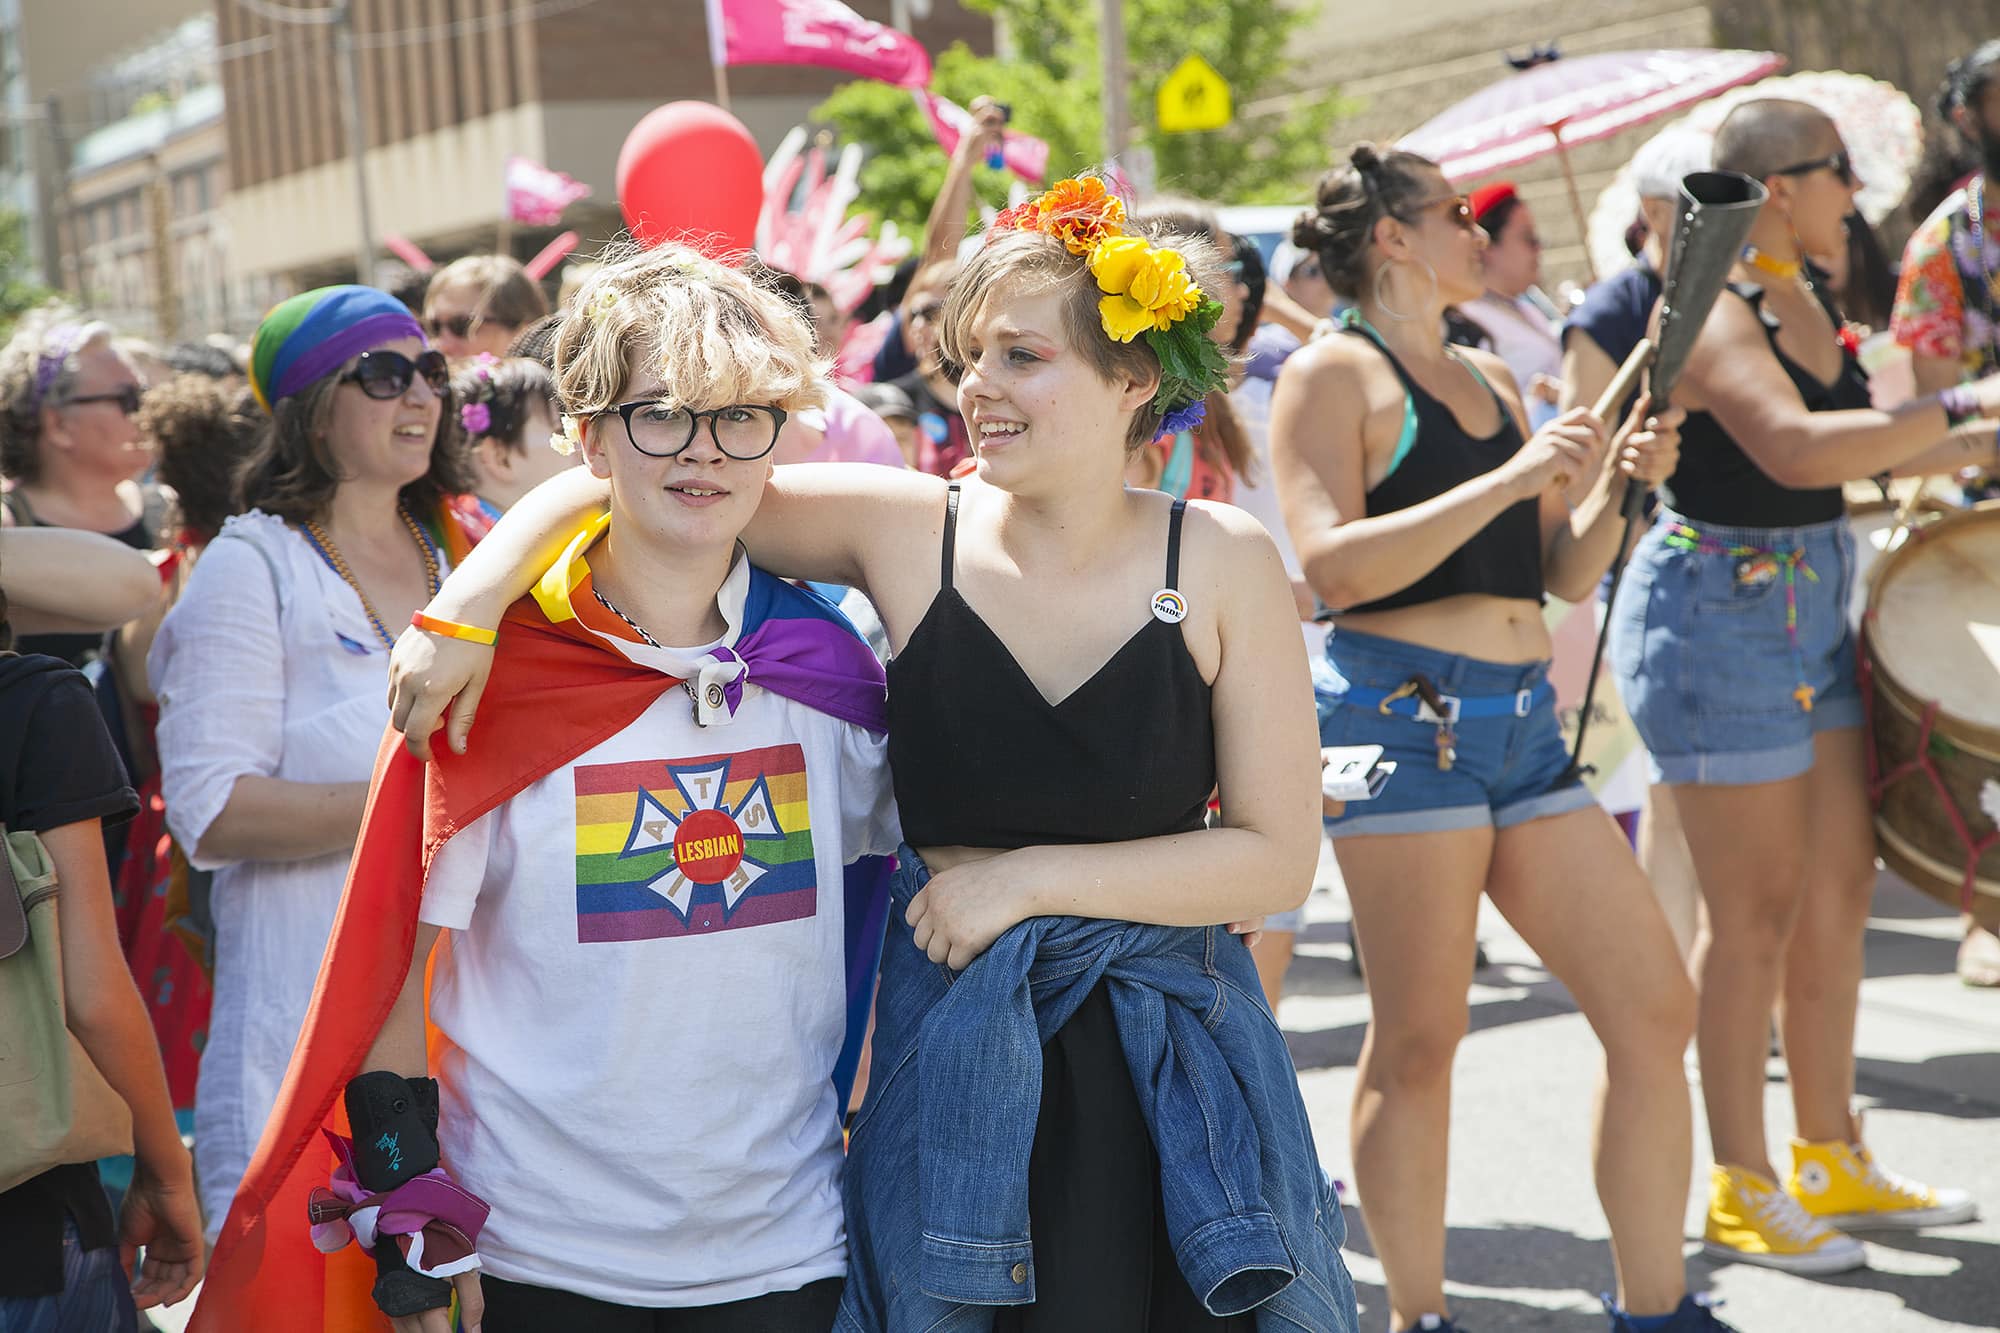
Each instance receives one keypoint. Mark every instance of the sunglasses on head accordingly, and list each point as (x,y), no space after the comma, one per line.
(1840,164)
(388,374)
(125,397)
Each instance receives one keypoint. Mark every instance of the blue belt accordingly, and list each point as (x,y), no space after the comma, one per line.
(1404,704)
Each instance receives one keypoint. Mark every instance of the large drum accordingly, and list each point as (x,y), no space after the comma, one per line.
(1930,660)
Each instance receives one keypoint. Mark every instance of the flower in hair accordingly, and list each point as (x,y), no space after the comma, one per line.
(1184,418)
(477,418)
(1146,286)
(1080,213)
(602,304)
(1020,217)
(567,440)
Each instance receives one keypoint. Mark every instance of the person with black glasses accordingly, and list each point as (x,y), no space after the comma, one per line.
(270,670)
(661,877)
(70,450)
(1731,644)
(479,304)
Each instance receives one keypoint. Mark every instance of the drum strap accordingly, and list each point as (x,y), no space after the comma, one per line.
(1756,564)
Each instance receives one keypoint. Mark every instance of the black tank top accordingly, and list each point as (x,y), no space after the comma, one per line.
(1716,482)
(981,759)
(1502,559)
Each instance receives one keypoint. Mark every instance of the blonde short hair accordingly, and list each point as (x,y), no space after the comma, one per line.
(714,337)
(1030,263)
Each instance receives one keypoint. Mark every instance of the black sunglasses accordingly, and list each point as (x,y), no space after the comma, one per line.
(388,374)
(1840,164)
(742,431)
(458,326)
(126,396)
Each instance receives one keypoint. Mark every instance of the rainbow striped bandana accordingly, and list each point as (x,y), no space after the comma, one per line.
(309,336)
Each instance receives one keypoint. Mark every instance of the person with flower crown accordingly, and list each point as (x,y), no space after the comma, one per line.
(1433,523)
(655,884)
(507,407)
(1081,1113)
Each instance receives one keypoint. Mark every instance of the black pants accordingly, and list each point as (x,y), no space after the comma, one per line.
(516,1307)
(1103,1262)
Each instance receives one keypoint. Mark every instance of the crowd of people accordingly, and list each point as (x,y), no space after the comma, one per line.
(794,895)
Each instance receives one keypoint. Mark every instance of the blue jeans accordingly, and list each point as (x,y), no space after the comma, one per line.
(1508,770)
(1709,662)
(937,1171)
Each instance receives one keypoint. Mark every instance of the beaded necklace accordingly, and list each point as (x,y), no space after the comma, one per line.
(1777,268)
(321,543)
(639,630)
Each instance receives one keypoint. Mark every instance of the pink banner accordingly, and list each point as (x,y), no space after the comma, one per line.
(1024,154)
(813,32)
(537,195)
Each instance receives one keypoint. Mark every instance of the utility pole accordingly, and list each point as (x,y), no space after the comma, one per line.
(348,70)
(1111,49)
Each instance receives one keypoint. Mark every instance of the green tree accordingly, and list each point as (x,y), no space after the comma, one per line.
(20,289)
(1053,82)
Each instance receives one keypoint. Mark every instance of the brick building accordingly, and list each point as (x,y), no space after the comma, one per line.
(448,89)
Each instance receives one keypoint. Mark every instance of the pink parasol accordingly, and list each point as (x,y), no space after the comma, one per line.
(1560,102)
(1575,100)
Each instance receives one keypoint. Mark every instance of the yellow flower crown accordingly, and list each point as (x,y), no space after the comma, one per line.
(1147,291)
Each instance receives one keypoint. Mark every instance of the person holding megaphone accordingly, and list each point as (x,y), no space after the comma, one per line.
(1731,644)
(1425,513)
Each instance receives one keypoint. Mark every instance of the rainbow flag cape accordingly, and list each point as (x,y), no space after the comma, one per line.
(556,691)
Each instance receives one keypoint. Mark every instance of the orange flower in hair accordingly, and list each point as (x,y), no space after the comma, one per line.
(1021,217)
(1080,213)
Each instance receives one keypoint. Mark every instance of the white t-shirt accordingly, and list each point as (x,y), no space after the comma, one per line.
(644,995)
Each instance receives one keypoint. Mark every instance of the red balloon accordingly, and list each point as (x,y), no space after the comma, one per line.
(690,172)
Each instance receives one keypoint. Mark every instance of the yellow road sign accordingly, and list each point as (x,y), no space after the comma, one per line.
(1194,97)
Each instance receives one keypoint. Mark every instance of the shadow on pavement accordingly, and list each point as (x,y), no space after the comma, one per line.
(1895,953)
(1340,1047)
(1968,1296)
(1941,1085)
(1513,1256)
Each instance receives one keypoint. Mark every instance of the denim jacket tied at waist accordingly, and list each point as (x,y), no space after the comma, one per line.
(937,1175)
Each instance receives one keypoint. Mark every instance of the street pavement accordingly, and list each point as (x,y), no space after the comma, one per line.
(1527,1248)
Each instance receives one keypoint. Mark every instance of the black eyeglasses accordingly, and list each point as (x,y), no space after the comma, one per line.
(387,375)
(458,326)
(928,311)
(125,396)
(743,431)
(1840,164)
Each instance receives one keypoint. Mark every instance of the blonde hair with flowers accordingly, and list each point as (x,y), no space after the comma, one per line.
(1136,300)
(712,337)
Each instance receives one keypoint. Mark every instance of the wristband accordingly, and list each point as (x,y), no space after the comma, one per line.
(1960,405)
(451,629)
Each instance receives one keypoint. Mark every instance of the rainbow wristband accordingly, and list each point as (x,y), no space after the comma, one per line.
(451,629)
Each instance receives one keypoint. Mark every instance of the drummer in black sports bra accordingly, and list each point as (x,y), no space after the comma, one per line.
(1077,666)
(1433,524)
(1731,643)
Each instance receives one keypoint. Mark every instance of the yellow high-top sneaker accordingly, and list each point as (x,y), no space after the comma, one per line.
(1752,1221)
(1842,1186)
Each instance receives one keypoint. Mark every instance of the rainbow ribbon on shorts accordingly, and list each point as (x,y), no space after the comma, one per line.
(1790,564)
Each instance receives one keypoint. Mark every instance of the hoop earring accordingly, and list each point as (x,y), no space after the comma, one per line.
(1381,289)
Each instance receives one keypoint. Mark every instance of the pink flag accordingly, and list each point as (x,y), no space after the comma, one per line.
(536,195)
(1025,155)
(813,32)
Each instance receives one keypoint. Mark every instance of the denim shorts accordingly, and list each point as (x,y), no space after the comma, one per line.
(1705,663)
(1507,770)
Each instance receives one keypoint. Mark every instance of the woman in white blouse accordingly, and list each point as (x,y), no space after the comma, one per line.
(271,671)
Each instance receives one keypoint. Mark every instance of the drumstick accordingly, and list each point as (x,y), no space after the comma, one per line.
(1622,383)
